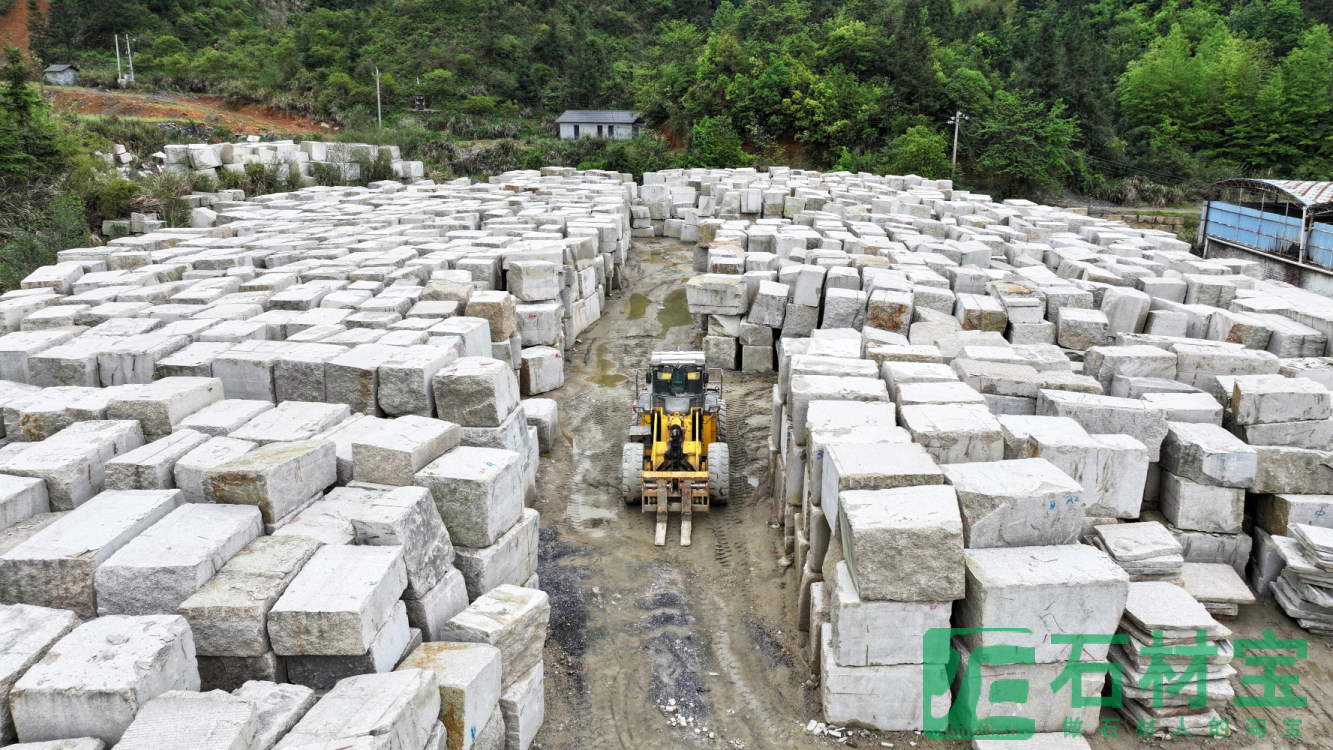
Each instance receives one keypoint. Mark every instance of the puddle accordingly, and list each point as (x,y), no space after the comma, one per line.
(636,306)
(675,310)
(606,376)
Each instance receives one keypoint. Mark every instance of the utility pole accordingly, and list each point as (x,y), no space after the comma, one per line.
(120,77)
(956,121)
(129,53)
(379,107)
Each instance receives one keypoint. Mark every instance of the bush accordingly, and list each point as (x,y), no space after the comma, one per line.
(478,105)
(112,200)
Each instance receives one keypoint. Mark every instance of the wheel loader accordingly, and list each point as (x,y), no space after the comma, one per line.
(677,459)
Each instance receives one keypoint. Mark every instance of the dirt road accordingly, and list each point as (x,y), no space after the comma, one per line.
(248,119)
(661,646)
(671,647)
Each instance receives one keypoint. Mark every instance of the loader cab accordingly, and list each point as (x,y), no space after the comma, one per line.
(678,380)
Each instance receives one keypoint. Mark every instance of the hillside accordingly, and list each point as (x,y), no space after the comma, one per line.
(1059,95)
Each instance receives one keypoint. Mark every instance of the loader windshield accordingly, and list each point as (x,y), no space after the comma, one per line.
(680,380)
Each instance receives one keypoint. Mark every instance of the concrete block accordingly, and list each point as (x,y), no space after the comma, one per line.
(168,562)
(338,602)
(55,566)
(138,659)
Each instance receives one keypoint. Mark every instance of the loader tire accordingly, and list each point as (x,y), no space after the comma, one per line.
(719,473)
(631,472)
(722,420)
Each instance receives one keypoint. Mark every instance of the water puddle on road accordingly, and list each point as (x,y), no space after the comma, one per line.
(636,306)
(675,310)
(606,376)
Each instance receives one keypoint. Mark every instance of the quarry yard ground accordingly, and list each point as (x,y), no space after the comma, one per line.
(710,629)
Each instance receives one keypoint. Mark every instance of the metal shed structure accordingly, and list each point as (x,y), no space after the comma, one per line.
(620,124)
(1288,218)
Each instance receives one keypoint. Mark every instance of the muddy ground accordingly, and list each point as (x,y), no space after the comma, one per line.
(687,647)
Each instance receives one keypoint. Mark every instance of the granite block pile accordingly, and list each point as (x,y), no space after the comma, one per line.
(267,483)
(1065,384)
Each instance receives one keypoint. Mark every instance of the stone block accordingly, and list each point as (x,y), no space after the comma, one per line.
(352,378)
(436,607)
(1208,454)
(26,633)
(879,633)
(1201,507)
(300,374)
(389,646)
(278,477)
(338,602)
(1108,415)
(716,294)
(278,708)
(137,658)
(769,306)
(1267,399)
(478,492)
(534,280)
(511,618)
(861,466)
(1022,503)
(476,392)
(221,418)
(881,697)
(168,562)
(292,421)
(512,559)
(1067,589)
(1126,309)
(229,614)
(73,461)
(468,678)
(542,370)
(399,448)
(405,380)
(1105,363)
(1047,706)
(954,433)
(523,706)
(230,672)
(497,309)
(1199,408)
(193,721)
(21,498)
(1278,512)
(393,710)
(188,472)
(1079,329)
(903,544)
(55,566)
(808,388)
(543,414)
(1294,470)
(152,466)
(407,517)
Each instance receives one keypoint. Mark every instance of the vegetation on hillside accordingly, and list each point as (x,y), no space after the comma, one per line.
(1060,94)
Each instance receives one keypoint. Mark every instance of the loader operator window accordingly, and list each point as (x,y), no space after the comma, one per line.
(678,381)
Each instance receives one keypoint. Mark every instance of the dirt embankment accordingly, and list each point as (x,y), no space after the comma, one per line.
(248,120)
(14,24)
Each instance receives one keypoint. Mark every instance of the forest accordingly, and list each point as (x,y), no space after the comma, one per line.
(1058,95)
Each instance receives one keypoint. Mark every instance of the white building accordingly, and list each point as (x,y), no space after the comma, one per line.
(620,124)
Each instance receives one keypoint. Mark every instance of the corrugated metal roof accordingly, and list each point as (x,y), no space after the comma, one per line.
(600,116)
(1307,193)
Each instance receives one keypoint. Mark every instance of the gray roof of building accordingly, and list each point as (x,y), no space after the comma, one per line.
(60,68)
(600,116)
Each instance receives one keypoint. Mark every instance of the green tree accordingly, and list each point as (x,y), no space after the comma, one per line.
(713,143)
(1025,146)
(921,151)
